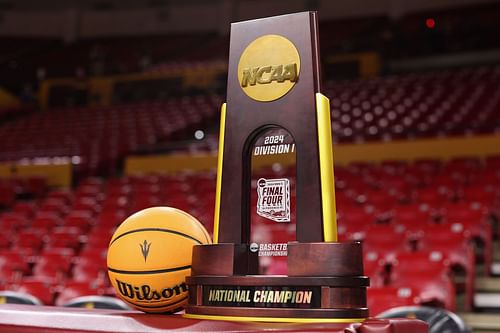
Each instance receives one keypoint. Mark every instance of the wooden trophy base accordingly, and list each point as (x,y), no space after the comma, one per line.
(325,283)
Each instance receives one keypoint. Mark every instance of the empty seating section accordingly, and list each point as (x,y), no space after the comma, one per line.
(17,187)
(418,249)
(99,137)
(426,225)
(387,108)
(417,105)
(430,241)
(54,247)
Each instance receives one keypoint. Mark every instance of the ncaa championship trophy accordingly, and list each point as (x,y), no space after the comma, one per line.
(275,114)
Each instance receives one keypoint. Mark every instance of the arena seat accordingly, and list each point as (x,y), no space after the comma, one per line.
(93,255)
(97,302)
(432,196)
(51,271)
(14,297)
(410,215)
(456,247)
(10,273)
(439,320)
(480,195)
(46,220)
(474,222)
(13,221)
(64,237)
(91,272)
(40,288)
(375,267)
(64,194)
(15,260)
(25,208)
(89,204)
(389,236)
(73,289)
(433,284)
(82,219)
(7,194)
(59,258)
(5,240)
(381,299)
(53,205)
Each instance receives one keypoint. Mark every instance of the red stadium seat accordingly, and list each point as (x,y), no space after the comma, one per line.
(410,216)
(111,218)
(431,196)
(453,242)
(428,273)
(73,289)
(60,258)
(388,238)
(375,267)
(381,299)
(46,221)
(10,274)
(480,195)
(7,194)
(5,240)
(99,238)
(354,218)
(64,237)
(15,260)
(30,239)
(54,205)
(13,221)
(81,219)
(26,208)
(92,255)
(65,195)
(475,223)
(41,289)
(89,204)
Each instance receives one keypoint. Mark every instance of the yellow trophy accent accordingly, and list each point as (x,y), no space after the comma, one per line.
(275,319)
(219,173)
(326,168)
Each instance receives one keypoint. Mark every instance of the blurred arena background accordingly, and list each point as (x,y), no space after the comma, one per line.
(108,107)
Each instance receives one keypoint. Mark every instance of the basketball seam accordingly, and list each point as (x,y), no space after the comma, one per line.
(156,307)
(199,226)
(157,271)
(155,229)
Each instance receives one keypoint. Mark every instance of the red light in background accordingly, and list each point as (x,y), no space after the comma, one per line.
(430,23)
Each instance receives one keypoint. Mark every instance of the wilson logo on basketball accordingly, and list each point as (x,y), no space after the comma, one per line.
(145,293)
(268,74)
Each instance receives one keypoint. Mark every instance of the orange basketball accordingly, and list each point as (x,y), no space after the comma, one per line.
(149,258)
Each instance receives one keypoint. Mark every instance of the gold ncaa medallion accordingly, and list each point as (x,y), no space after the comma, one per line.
(269,68)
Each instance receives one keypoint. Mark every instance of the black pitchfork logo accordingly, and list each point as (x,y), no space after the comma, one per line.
(145,249)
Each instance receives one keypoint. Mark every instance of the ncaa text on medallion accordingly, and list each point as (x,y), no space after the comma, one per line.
(268,74)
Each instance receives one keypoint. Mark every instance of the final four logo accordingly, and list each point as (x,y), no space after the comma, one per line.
(273,201)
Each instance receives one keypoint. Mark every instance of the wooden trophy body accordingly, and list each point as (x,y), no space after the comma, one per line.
(274,106)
